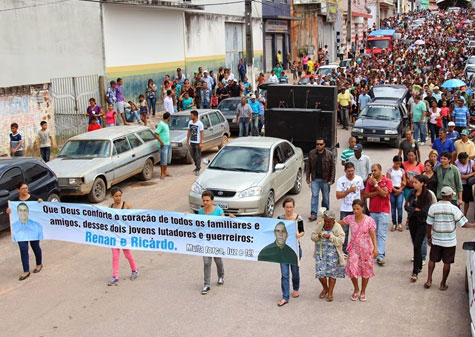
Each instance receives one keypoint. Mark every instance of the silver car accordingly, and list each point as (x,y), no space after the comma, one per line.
(250,174)
(216,132)
(92,162)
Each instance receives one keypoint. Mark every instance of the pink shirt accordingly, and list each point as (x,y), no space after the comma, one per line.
(378,204)
(110,117)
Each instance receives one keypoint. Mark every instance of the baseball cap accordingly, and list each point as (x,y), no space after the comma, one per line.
(465,132)
(451,124)
(253,96)
(358,147)
(329,214)
(436,88)
(447,191)
(205,71)
(235,80)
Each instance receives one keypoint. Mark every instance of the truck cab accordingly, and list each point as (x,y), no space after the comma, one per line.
(379,40)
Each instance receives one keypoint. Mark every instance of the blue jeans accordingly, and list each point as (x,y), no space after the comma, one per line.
(151,105)
(316,185)
(284,280)
(346,229)
(165,155)
(255,125)
(45,152)
(204,105)
(382,223)
(434,132)
(420,131)
(396,208)
(25,258)
(243,126)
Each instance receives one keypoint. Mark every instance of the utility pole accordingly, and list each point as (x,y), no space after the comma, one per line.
(249,44)
(348,27)
(378,14)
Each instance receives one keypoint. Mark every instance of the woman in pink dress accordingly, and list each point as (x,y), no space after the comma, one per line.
(362,249)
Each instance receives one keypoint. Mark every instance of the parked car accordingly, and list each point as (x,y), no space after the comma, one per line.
(469,71)
(382,121)
(345,63)
(327,70)
(41,181)
(228,107)
(92,162)
(305,79)
(469,246)
(250,174)
(216,132)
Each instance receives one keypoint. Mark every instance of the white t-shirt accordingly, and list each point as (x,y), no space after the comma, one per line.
(343,184)
(273,79)
(396,176)
(195,131)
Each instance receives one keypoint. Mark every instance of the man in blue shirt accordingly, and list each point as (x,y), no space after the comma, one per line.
(363,100)
(256,112)
(25,229)
(452,134)
(443,144)
(460,114)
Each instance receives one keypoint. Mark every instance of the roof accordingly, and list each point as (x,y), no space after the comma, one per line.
(110,133)
(12,161)
(187,112)
(261,142)
(157,3)
(329,66)
(382,32)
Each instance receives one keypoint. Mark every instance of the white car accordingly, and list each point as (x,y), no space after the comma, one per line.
(469,70)
(326,70)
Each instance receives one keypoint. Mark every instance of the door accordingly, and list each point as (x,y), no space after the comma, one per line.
(8,182)
(291,164)
(269,53)
(123,159)
(278,175)
(279,45)
(217,129)
(234,45)
(37,179)
(207,132)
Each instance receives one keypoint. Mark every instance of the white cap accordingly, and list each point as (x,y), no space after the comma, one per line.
(451,124)
(447,191)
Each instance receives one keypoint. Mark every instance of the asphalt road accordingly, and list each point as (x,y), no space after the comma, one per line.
(70,296)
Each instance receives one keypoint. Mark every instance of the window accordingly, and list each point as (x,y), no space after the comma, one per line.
(277,157)
(214,118)
(287,151)
(34,172)
(121,145)
(86,148)
(146,135)
(204,119)
(221,117)
(10,179)
(134,141)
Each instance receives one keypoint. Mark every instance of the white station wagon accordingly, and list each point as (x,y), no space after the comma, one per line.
(92,162)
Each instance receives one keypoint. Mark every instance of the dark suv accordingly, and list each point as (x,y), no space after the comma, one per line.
(41,181)
(228,107)
(382,121)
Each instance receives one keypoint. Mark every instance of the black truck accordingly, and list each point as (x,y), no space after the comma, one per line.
(301,113)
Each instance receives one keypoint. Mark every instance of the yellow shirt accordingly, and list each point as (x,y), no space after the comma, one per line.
(310,65)
(468,147)
(344,99)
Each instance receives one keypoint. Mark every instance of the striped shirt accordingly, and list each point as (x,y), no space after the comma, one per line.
(346,155)
(444,217)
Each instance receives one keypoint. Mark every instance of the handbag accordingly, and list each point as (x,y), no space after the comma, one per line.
(471,180)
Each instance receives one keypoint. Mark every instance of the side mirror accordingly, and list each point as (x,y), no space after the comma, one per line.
(4,193)
(469,245)
(206,161)
(279,167)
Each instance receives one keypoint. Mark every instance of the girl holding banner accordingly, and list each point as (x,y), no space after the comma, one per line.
(118,203)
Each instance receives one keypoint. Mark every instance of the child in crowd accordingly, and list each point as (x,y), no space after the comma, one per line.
(214,100)
(111,116)
(143,109)
(44,141)
(94,125)
(134,111)
(16,142)
(398,177)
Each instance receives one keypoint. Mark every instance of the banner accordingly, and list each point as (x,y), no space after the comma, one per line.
(250,238)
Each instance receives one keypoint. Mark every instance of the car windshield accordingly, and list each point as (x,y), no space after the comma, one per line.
(178,122)
(378,44)
(86,149)
(228,105)
(324,71)
(380,112)
(389,92)
(237,158)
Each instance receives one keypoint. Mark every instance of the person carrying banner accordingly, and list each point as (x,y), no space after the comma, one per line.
(116,194)
(25,230)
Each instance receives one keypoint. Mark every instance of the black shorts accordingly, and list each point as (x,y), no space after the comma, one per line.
(467,195)
(446,254)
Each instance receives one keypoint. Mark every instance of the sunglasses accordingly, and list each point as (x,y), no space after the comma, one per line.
(320,144)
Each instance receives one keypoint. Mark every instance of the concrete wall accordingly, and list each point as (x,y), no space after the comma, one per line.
(27,106)
(229,9)
(60,39)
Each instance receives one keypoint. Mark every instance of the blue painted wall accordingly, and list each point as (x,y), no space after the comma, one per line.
(275,8)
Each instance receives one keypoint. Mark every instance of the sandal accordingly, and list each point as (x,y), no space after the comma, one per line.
(393,228)
(444,288)
(282,303)
(363,298)
(330,299)
(295,294)
(427,285)
(323,294)
(414,277)
(354,296)
(400,228)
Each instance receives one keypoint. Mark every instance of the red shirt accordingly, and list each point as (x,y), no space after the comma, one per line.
(378,204)
(93,127)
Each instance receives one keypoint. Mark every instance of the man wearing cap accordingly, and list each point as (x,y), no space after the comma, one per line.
(437,95)
(449,175)
(256,111)
(235,89)
(452,134)
(443,144)
(442,220)
(244,113)
(361,162)
(465,145)
(460,114)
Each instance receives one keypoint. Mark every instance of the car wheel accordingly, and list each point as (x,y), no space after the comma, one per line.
(98,191)
(270,205)
(224,141)
(298,183)
(53,197)
(147,171)
(188,158)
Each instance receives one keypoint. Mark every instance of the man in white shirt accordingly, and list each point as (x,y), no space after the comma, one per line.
(273,77)
(168,103)
(348,188)
(194,139)
(361,162)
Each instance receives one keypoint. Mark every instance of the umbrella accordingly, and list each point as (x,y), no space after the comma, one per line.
(419,42)
(452,39)
(453,83)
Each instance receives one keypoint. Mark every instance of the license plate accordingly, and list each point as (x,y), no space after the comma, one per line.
(374,139)
(223,205)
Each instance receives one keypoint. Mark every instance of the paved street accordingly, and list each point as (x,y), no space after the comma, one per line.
(70,297)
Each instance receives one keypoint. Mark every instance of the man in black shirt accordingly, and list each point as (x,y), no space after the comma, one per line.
(222,92)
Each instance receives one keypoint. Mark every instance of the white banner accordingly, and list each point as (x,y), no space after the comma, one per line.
(251,238)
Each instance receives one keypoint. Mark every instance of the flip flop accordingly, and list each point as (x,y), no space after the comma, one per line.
(282,303)
(414,278)
(354,296)
(427,285)
(363,298)
(323,294)
(295,294)
(330,299)
(444,288)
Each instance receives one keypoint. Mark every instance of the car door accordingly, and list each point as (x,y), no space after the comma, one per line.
(217,128)
(37,177)
(8,183)
(291,164)
(123,159)
(139,150)
(278,176)
(208,129)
